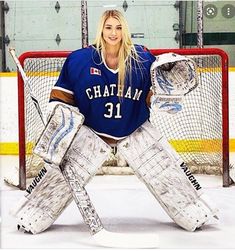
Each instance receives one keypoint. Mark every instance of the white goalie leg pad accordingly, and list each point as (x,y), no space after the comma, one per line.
(173,185)
(64,123)
(48,195)
(45,199)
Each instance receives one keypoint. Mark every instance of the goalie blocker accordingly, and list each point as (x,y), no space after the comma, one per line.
(62,127)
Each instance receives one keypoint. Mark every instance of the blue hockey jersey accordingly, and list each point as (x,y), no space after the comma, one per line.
(87,82)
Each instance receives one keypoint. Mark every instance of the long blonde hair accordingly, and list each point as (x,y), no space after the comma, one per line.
(126,51)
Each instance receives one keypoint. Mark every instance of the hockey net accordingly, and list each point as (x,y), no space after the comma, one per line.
(199,132)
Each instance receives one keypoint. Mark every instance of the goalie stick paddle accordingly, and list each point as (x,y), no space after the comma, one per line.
(91,218)
(126,240)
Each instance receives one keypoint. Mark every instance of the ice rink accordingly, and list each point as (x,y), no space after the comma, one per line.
(125,206)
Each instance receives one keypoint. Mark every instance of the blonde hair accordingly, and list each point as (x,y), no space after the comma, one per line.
(126,51)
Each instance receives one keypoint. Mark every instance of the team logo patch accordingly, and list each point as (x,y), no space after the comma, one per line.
(95,71)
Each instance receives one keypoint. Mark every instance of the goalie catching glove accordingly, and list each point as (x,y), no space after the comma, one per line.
(172,76)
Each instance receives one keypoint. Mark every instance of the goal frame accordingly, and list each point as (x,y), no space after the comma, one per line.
(64,54)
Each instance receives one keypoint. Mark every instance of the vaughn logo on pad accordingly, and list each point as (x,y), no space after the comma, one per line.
(95,71)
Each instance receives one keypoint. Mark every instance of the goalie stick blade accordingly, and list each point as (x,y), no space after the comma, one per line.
(126,240)
(12,177)
(11,182)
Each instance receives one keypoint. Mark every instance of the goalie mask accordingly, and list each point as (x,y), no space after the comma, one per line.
(173,74)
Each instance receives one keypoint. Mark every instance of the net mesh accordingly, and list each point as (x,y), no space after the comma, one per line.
(195,132)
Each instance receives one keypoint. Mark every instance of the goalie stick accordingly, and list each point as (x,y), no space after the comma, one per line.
(83,201)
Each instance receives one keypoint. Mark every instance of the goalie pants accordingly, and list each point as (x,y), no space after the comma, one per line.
(48,195)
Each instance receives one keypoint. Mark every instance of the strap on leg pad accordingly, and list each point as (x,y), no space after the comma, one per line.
(49,195)
(176,190)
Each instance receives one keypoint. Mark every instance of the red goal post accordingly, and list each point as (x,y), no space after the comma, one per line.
(214,74)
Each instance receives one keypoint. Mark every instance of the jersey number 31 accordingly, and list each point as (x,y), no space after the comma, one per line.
(113,111)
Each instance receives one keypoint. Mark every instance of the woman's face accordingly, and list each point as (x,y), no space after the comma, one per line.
(112,31)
